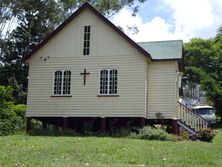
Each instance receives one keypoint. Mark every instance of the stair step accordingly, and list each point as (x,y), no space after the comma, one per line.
(189,119)
(186,127)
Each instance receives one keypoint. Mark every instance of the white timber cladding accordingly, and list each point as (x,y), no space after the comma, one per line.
(162,89)
(108,50)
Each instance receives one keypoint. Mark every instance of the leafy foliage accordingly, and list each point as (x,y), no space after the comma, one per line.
(106,7)
(203,60)
(35,19)
(121,132)
(151,133)
(12,117)
(207,134)
(8,11)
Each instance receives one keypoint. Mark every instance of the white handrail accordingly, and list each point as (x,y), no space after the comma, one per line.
(191,119)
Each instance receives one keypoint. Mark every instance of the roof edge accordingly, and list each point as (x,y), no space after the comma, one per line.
(172,40)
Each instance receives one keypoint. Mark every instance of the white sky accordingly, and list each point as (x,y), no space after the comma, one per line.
(172,19)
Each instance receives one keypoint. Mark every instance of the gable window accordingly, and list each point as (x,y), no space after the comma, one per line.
(62,82)
(108,82)
(86,41)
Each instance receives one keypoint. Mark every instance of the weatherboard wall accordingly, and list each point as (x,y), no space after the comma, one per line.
(162,89)
(108,50)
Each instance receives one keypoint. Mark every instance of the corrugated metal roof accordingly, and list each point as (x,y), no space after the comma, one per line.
(160,50)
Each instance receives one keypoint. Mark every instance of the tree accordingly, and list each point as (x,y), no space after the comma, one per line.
(218,38)
(106,7)
(8,10)
(35,19)
(203,60)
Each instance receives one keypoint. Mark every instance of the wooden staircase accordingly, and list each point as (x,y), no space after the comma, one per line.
(190,121)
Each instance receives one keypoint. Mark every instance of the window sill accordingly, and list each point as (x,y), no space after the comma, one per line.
(61,95)
(107,95)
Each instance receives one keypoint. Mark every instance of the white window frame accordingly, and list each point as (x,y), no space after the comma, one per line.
(108,82)
(53,86)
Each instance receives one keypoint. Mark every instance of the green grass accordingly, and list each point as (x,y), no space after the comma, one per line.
(24,150)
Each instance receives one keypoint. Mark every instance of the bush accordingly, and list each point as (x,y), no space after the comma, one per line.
(9,122)
(151,133)
(87,129)
(121,132)
(207,134)
(184,135)
(52,132)
(12,117)
(6,127)
(19,110)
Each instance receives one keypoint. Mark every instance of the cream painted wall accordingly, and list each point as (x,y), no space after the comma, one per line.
(108,50)
(162,89)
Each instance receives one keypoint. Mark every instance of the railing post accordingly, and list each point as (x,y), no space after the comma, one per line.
(193,120)
(190,118)
(184,114)
(198,124)
(179,106)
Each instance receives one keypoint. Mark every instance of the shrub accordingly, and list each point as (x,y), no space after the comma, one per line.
(151,133)
(207,134)
(12,117)
(9,121)
(184,135)
(121,132)
(36,124)
(87,129)
(6,127)
(19,110)
(52,132)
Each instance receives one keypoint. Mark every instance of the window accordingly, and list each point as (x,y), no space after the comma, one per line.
(104,82)
(58,83)
(108,82)
(86,41)
(66,82)
(62,82)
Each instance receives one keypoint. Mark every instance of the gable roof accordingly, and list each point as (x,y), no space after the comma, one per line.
(73,16)
(163,50)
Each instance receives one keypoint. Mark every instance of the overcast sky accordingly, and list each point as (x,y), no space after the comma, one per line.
(172,19)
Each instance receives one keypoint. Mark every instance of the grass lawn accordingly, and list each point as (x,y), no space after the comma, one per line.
(24,150)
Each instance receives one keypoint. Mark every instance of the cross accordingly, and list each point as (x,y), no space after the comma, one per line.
(84,76)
